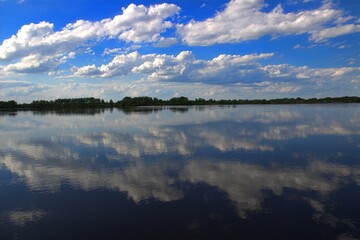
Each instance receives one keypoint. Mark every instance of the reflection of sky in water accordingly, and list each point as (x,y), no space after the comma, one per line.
(256,155)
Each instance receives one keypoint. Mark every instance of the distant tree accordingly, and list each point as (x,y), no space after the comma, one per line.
(78,103)
(179,101)
(8,104)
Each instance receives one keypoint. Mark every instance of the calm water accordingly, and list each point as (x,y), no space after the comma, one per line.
(245,172)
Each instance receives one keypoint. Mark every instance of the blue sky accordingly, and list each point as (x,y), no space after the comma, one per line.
(200,48)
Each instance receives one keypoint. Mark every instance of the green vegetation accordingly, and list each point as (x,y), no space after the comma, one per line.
(78,103)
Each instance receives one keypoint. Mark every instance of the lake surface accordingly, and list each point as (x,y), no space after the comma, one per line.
(233,172)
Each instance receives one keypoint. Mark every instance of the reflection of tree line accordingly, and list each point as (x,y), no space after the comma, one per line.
(95,111)
(76,103)
(75,111)
(153,109)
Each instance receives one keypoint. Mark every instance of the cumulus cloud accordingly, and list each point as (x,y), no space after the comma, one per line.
(39,48)
(334,32)
(286,71)
(183,67)
(245,20)
(108,51)
(35,63)
(42,40)
(166,42)
(223,69)
(140,23)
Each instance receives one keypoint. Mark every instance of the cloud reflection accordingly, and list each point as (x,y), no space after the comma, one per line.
(135,153)
(245,183)
(21,217)
(140,182)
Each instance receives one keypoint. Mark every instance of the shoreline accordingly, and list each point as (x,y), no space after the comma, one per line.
(129,102)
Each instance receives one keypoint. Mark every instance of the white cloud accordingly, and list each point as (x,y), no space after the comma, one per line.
(141,24)
(268,86)
(108,51)
(39,42)
(35,63)
(327,33)
(88,70)
(223,69)
(166,42)
(286,71)
(27,37)
(183,67)
(38,48)
(244,20)
(351,61)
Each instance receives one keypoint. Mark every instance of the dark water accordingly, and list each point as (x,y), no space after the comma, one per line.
(245,172)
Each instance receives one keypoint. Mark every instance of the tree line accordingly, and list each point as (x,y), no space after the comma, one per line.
(67,103)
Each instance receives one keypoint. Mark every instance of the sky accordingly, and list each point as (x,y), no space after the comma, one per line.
(219,49)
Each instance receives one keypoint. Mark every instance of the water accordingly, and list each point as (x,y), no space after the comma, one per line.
(244,172)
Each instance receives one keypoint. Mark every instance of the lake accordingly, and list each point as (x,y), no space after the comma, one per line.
(214,172)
